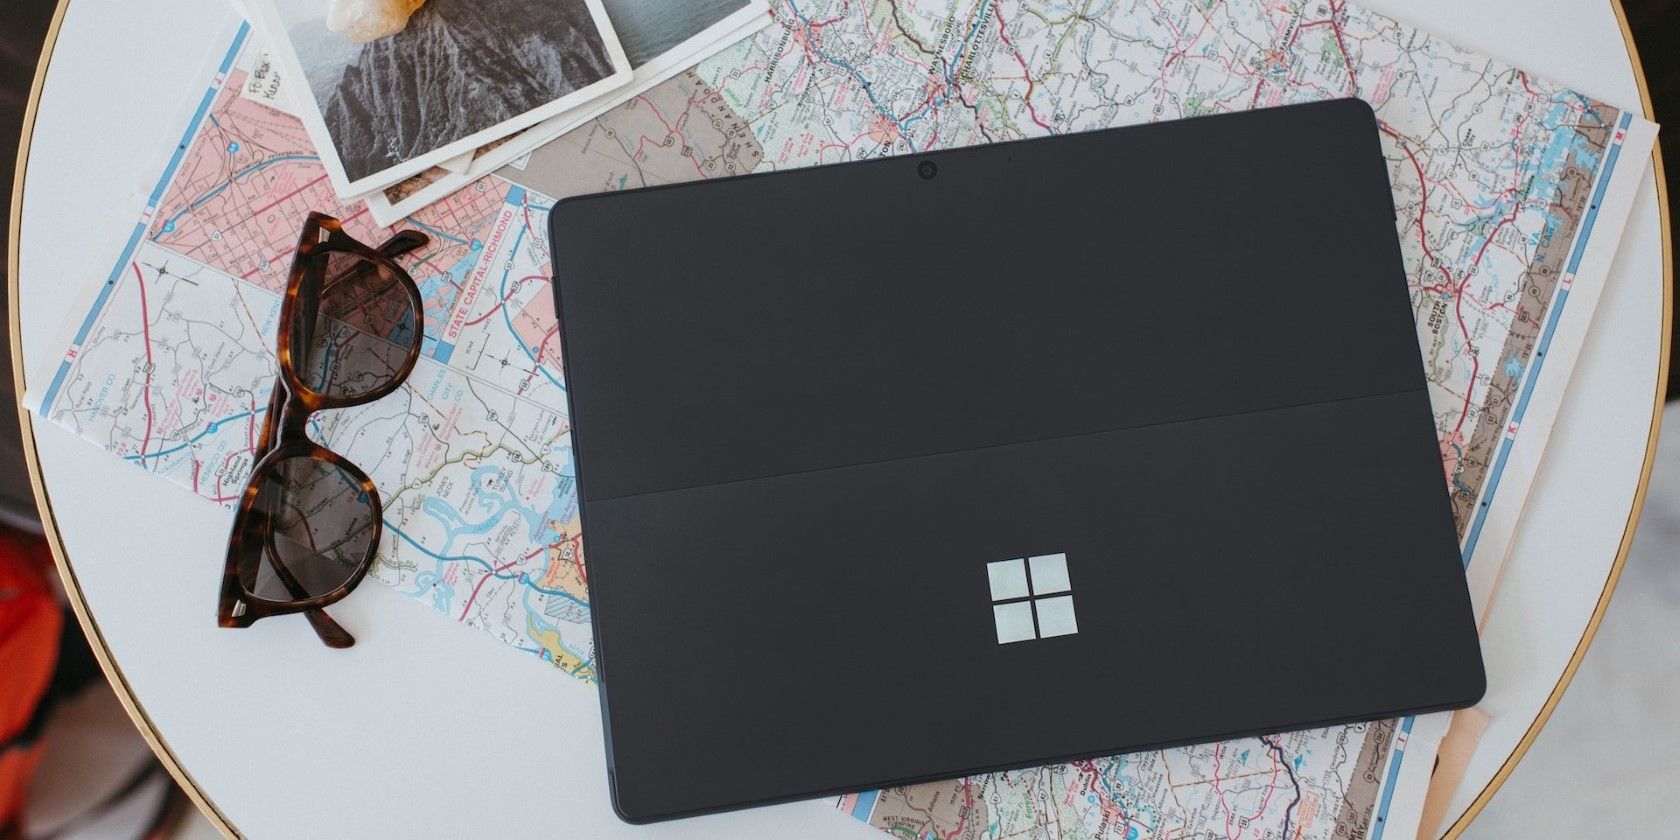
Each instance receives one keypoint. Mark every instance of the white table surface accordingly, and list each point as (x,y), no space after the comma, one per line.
(430,729)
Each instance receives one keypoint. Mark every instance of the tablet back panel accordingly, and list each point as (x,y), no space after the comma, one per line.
(816,415)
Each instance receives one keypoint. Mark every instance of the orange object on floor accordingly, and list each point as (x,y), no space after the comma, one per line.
(30,623)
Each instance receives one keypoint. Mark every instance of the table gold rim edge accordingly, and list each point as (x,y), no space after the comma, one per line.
(155,740)
(49,524)
(1591,631)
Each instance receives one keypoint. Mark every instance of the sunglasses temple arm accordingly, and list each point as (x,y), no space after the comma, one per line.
(402,242)
(396,246)
(332,634)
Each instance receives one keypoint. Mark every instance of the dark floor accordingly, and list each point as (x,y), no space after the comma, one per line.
(23,23)
(1656,31)
(24,26)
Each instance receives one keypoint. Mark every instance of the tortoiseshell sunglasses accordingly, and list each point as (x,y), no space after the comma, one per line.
(309,521)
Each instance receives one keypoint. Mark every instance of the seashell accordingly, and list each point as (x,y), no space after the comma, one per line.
(369,20)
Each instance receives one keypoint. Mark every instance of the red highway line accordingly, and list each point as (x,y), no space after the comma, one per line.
(266,207)
(517,283)
(997,12)
(1458,299)
(1226,806)
(480,585)
(577,559)
(1336,12)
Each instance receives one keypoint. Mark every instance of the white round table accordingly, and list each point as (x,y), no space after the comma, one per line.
(426,728)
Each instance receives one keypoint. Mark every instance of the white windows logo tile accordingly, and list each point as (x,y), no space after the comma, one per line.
(1031,598)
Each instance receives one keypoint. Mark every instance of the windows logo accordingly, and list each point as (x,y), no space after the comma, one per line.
(1031,598)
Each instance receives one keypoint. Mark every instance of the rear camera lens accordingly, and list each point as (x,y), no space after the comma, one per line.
(927,169)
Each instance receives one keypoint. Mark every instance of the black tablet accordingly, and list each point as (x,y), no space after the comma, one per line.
(1001,456)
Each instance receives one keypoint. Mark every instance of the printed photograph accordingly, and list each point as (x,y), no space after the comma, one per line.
(401,85)
(660,38)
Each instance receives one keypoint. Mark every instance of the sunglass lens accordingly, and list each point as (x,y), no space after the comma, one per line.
(315,527)
(356,328)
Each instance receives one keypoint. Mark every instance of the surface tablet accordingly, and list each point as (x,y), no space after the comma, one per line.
(1001,456)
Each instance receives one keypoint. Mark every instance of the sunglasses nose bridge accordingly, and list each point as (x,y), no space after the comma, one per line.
(294,421)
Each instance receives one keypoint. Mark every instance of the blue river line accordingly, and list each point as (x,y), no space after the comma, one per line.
(210,429)
(168,225)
